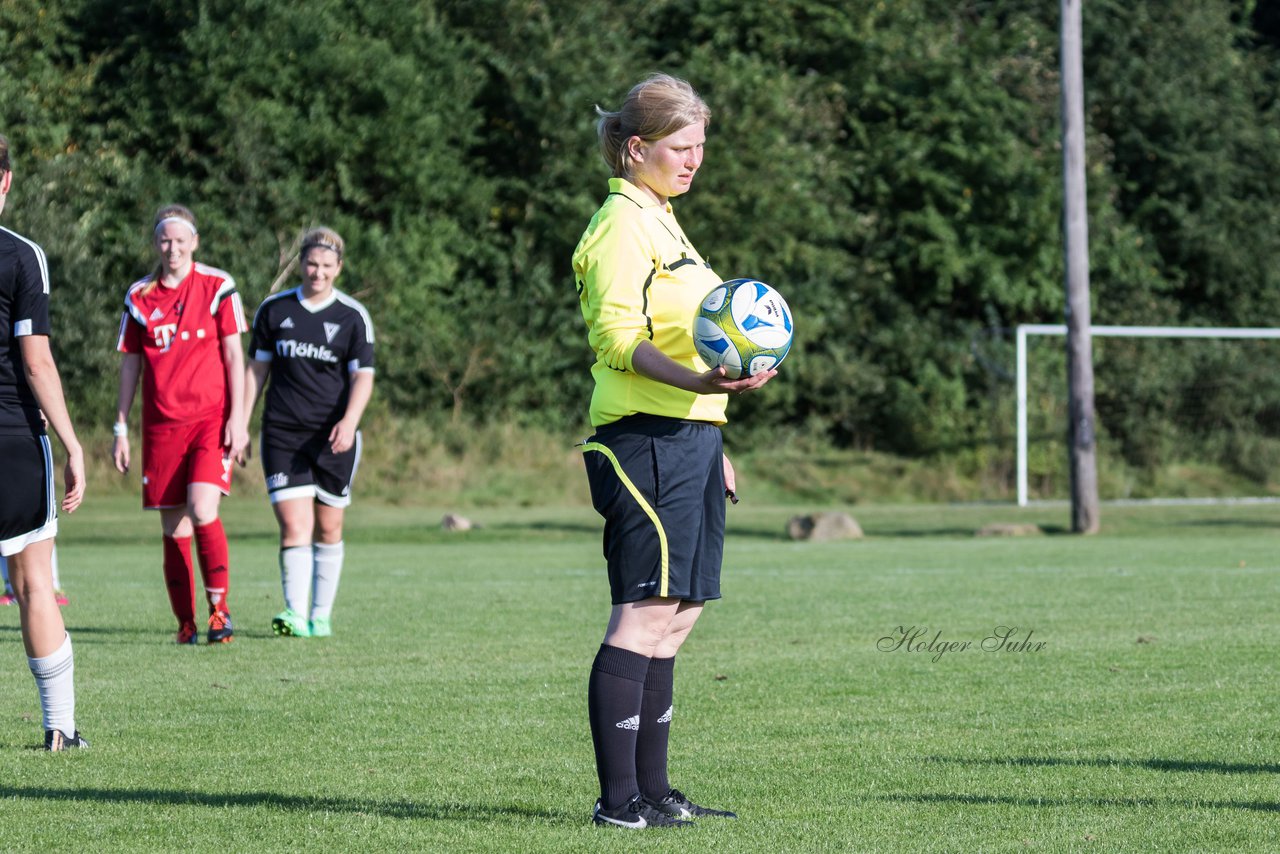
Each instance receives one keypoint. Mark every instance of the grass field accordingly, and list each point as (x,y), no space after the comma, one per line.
(448,711)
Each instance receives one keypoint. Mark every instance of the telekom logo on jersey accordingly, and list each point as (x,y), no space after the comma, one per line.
(165,332)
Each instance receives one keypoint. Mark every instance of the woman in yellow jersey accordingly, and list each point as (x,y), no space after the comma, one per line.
(655,464)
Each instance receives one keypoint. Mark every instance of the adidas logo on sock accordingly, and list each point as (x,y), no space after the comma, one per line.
(666,716)
(632,722)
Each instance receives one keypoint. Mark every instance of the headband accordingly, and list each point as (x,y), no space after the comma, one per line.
(322,244)
(162,223)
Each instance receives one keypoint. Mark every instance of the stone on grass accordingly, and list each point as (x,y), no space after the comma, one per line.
(824,526)
(454,522)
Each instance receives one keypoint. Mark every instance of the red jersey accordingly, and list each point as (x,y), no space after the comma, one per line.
(179,331)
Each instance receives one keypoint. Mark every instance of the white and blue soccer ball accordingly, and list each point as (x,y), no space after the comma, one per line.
(743,325)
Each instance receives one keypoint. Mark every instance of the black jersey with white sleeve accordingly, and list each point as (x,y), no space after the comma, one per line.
(24,310)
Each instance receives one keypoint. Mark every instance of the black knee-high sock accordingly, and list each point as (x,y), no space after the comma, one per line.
(655,729)
(614,696)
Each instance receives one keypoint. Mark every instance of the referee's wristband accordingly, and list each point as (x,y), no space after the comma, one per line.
(120,429)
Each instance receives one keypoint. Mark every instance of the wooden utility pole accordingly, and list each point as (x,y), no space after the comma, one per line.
(1081,436)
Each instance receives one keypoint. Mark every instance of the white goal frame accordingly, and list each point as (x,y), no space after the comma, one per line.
(1023,330)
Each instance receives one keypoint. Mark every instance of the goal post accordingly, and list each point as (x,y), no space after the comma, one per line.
(1025,330)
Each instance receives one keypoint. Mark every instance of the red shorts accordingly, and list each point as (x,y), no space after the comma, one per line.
(174,456)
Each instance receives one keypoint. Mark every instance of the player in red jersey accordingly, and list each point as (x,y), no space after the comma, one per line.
(183,322)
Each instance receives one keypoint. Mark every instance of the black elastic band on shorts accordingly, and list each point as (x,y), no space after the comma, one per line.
(642,421)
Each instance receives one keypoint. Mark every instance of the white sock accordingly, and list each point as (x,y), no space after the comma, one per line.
(295,577)
(55,681)
(53,563)
(328,570)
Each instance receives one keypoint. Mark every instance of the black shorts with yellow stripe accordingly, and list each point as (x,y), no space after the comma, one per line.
(659,484)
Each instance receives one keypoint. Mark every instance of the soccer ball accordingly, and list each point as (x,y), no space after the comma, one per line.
(744,326)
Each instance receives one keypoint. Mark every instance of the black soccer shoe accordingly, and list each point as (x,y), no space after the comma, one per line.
(636,814)
(676,805)
(55,740)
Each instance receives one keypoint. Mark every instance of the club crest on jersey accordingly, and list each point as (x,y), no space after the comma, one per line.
(291,349)
(330,330)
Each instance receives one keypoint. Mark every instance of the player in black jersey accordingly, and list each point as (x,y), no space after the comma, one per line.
(29,383)
(317,345)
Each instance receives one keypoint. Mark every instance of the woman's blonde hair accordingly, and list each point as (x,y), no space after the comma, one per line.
(167,212)
(322,237)
(655,107)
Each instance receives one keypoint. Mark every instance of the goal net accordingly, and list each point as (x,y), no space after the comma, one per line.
(1182,413)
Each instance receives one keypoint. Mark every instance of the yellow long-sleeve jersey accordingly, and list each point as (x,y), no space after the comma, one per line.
(639,278)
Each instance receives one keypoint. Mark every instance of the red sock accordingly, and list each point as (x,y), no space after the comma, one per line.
(179,578)
(211,543)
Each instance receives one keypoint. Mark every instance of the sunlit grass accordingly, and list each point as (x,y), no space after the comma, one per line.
(448,711)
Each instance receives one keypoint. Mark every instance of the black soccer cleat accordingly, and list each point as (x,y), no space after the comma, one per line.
(676,805)
(636,814)
(55,740)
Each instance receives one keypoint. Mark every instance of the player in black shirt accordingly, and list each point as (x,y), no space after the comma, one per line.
(317,345)
(29,382)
